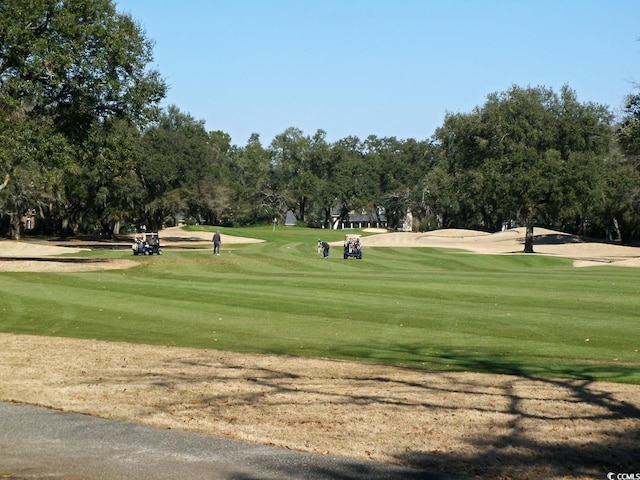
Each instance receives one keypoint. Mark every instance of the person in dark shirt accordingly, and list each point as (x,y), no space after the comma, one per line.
(216,243)
(325,248)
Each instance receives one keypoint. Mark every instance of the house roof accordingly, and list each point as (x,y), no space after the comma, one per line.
(361,217)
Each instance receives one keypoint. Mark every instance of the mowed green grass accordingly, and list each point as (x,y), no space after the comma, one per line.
(417,307)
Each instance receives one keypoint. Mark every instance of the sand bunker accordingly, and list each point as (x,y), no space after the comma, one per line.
(43,256)
(46,256)
(546,242)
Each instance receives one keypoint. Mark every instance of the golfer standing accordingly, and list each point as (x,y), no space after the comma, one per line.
(216,243)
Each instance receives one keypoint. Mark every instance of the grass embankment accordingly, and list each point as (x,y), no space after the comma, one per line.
(418,307)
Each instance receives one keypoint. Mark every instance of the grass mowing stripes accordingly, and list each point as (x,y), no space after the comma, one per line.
(419,307)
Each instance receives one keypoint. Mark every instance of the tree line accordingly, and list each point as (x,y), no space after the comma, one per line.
(85,147)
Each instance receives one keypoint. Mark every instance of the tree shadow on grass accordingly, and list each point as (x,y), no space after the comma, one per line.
(543,427)
(72,260)
(61,260)
(515,453)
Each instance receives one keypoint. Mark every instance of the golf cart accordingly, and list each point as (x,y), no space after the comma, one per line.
(147,244)
(352,247)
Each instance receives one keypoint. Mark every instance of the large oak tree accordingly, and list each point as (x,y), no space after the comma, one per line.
(72,71)
(528,154)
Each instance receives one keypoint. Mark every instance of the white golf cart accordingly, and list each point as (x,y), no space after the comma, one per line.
(352,247)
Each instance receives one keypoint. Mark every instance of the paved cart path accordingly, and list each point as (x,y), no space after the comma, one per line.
(37,444)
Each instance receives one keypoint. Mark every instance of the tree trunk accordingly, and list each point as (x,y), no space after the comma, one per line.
(528,237)
(327,217)
(64,228)
(617,227)
(14,226)
(302,207)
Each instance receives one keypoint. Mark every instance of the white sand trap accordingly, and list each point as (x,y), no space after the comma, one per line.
(546,242)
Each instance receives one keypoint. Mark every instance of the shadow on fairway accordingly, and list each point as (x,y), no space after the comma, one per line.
(71,260)
(588,372)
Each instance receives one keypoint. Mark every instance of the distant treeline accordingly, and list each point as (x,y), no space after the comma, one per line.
(85,148)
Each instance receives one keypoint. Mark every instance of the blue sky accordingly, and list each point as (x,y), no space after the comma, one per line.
(390,68)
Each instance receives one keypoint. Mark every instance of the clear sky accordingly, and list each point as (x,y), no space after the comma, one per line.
(390,68)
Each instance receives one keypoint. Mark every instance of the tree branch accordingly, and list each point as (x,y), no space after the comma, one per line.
(6,181)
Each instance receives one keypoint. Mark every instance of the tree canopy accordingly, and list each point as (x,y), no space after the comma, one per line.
(73,82)
(85,145)
(527,154)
